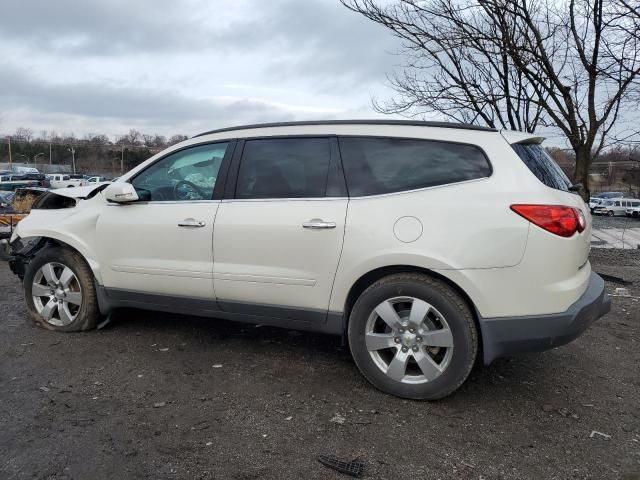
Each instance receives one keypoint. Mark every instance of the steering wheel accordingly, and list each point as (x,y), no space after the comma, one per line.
(179,196)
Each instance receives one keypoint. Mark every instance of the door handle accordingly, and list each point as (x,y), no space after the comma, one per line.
(191,223)
(317,224)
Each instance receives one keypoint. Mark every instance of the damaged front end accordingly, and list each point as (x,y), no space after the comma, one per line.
(24,245)
(19,252)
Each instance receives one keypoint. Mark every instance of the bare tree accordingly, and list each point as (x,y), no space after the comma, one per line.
(154,140)
(176,139)
(23,134)
(517,64)
(134,137)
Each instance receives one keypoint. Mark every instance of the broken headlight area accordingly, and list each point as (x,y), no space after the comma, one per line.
(21,251)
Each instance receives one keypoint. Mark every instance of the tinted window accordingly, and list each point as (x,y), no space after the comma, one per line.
(189,174)
(542,166)
(284,168)
(382,165)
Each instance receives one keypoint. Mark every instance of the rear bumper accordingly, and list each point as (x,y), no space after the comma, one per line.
(510,335)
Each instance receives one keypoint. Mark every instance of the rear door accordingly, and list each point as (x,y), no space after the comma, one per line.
(278,238)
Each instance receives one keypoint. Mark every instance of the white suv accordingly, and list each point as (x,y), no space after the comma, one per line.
(426,245)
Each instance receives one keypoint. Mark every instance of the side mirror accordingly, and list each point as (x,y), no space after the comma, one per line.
(120,192)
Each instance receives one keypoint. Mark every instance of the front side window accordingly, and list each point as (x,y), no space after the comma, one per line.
(375,166)
(185,175)
(284,168)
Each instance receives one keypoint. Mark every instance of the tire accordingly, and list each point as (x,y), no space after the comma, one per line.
(72,305)
(379,349)
(610,213)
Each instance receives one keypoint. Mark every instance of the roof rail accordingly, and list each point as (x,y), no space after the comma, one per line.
(415,123)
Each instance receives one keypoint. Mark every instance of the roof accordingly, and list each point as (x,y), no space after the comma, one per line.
(414,123)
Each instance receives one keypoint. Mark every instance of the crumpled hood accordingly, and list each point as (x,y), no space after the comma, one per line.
(79,192)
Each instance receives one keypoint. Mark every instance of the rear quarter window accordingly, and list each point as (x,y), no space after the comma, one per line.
(375,166)
(542,166)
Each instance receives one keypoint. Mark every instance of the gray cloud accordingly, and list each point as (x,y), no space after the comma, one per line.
(17,89)
(98,28)
(162,62)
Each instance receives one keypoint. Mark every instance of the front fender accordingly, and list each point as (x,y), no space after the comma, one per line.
(75,227)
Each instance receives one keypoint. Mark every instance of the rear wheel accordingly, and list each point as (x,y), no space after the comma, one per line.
(413,336)
(60,292)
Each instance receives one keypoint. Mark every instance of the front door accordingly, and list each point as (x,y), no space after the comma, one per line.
(162,244)
(277,243)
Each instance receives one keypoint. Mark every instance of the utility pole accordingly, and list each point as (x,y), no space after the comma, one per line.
(10,161)
(49,153)
(35,159)
(73,158)
(122,161)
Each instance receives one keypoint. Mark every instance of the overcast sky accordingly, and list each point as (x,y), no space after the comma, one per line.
(184,66)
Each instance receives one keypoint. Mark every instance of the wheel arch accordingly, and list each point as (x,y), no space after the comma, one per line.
(47,241)
(376,274)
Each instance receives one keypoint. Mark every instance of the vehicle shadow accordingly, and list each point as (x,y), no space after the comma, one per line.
(514,376)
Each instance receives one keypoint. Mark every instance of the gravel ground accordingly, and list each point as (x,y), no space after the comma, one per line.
(602,221)
(172,397)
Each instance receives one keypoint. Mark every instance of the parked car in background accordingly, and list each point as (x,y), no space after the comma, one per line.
(13,181)
(614,207)
(609,195)
(594,202)
(60,180)
(634,209)
(23,170)
(355,228)
(97,179)
(41,178)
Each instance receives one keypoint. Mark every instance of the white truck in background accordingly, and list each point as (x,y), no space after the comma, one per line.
(60,180)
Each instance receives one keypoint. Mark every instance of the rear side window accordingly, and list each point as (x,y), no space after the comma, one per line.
(375,166)
(284,168)
(542,166)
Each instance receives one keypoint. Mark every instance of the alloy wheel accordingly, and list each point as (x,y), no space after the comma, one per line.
(56,294)
(409,340)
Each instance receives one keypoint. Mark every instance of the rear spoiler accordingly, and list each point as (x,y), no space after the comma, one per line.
(513,137)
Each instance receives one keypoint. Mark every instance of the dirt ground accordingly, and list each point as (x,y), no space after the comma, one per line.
(173,397)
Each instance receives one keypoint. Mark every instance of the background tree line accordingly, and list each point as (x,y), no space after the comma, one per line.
(94,153)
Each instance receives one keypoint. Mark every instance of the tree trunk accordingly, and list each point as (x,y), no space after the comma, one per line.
(581,172)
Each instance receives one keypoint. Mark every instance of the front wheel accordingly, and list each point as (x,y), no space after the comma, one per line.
(610,213)
(413,336)
(60,291)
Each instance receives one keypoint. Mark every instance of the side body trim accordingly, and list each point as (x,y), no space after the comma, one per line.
(319,321)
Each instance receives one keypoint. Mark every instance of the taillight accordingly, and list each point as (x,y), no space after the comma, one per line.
(557,219)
